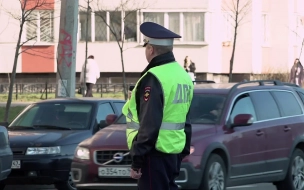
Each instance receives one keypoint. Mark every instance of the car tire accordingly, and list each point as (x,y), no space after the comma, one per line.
(66,185)
(215,173)
(295,172)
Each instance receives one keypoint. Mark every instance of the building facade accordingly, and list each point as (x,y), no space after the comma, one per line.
(268,40)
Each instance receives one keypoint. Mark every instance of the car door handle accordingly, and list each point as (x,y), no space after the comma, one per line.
(259,133)
(286,128)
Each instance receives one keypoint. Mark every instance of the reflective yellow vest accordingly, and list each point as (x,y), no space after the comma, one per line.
(178,93)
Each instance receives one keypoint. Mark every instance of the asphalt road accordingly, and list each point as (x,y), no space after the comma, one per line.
(247,187)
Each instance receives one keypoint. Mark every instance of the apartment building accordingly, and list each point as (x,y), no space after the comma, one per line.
(268,40)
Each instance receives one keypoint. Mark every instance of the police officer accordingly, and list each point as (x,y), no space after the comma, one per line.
(158,128)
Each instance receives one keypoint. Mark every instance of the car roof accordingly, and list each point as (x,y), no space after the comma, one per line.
(79,100)
(226,88)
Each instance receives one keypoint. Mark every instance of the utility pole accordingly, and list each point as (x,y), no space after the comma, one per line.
(67,48)
(86,50)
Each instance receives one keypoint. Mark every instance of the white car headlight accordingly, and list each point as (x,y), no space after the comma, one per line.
(43,150)
(82,153)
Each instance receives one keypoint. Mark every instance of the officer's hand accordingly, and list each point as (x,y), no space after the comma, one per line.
(135,174)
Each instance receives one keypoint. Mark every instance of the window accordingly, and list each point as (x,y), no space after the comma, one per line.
(83,26)
(121,120)
(115,24)
(108,25)
(154,17)
(206,109)
(302,96)
(100,26)
(265,29)
(119,106)
(189,25)
(193,27)
(265,105)
(71,115)
(40,26)
(28,117)
(104,110)
(290,105)
(243,105)
(227,26)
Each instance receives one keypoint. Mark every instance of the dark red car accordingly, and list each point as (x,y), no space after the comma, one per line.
(244,133)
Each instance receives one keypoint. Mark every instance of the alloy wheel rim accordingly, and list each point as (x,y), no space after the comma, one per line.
(70,182)
(297,171)
(216,177)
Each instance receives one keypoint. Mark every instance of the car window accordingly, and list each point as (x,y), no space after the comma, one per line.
(288,103)
(121,120)
(301,96)
(104,110)
(265,105)
(243,105)
(206,108)
(119,106)
(29,116)
(69,115)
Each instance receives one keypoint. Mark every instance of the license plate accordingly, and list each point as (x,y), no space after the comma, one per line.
(16,164)
(107,171)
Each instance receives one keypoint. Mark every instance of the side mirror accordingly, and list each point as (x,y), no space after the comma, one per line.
(110,119)
(5,124)
(242,120)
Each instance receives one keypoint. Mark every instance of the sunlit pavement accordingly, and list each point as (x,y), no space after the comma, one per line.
(250,187)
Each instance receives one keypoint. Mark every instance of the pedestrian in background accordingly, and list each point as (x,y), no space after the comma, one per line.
(92,73)
(296,73)
(158,127)
(190,67)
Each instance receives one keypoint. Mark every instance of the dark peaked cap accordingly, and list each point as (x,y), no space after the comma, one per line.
(156,34)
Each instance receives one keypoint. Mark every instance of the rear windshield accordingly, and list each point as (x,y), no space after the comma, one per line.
(206,108)
(70,115)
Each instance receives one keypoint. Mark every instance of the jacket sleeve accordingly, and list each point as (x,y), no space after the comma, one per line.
(150,114)
(188,132)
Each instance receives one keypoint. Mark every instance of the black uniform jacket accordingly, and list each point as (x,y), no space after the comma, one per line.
(149,101)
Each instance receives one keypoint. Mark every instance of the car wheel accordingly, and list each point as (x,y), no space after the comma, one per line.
(215,174)
(66,185)
(294,179)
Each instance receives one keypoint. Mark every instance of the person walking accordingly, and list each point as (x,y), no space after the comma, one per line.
(296,73)
(158,125)
(92,74)
(189,67)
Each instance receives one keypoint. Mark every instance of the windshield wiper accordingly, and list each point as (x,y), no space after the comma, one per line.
(21,127)
(52,127)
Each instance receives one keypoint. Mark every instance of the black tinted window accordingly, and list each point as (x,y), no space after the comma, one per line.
(121,119)
(288,103)
(243,105)
(265,105)
(206,108)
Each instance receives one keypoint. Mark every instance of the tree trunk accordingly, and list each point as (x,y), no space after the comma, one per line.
(123,75)
(232,56)
(234,39)
(13,75)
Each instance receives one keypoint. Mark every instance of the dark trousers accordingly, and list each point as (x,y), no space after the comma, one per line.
(89,92)
(160,172)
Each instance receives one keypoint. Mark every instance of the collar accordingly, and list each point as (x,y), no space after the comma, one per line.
(159,60)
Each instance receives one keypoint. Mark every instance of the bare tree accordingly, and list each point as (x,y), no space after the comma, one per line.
(237,10)
(124,14)
(27,9)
